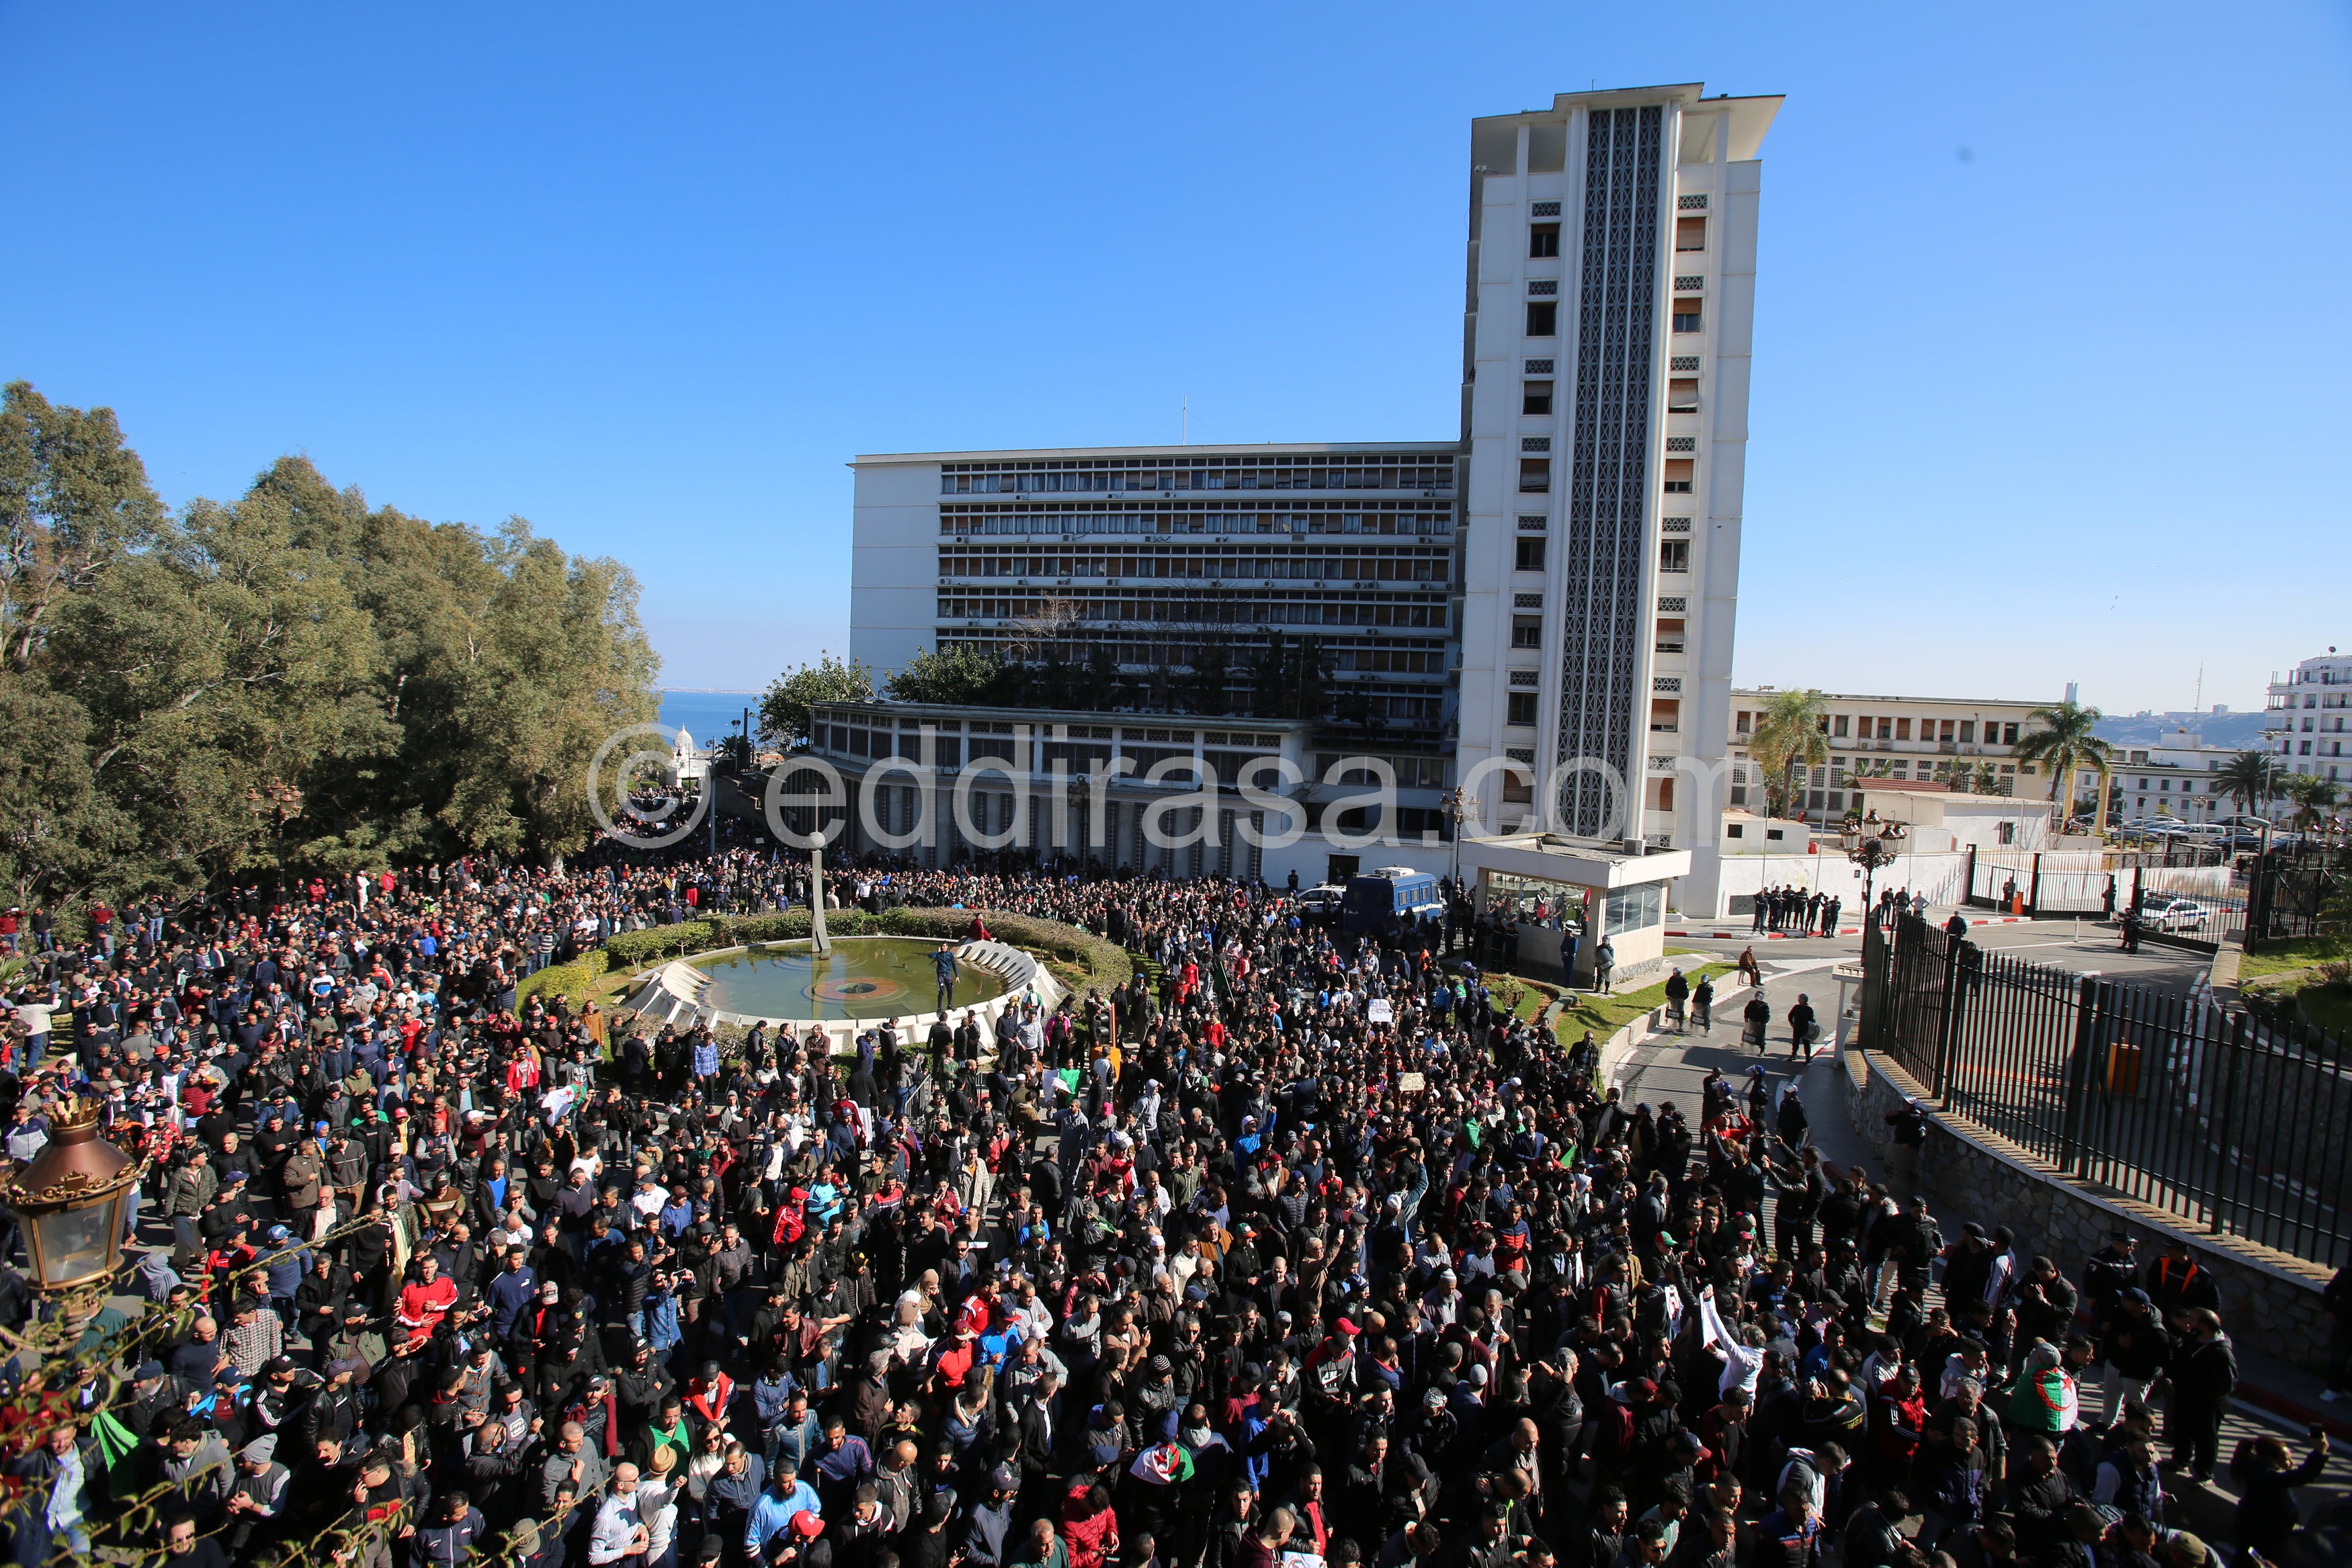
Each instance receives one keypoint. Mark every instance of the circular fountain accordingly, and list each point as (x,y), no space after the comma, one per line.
(856,981)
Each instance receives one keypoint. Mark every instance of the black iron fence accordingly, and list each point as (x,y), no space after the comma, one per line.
(2232,1123)
(2189,895)
(2291,887)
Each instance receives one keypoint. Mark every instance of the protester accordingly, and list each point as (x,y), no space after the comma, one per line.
(1197,1266)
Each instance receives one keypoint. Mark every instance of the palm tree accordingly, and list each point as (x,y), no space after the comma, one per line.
(2314,800)
(2064,742)
(2246,776)
(1787,736)
(732,755)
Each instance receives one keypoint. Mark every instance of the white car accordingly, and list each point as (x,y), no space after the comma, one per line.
(1321,903)
(2161,914)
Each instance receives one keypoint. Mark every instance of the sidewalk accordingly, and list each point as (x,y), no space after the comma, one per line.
(2274,1396)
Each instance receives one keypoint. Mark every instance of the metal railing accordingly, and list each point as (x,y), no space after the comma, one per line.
(2232,1123)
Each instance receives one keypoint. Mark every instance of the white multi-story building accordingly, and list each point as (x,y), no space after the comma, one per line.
(1898,738)
(2172,776)
(1605,367)
(1185,579)
(1553,596)
(2305,725)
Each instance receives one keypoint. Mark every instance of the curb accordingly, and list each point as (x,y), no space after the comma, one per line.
(1842,931)
(2270,1401)
(1769,935)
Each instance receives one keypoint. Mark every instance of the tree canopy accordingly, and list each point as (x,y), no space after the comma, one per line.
(291,680)
(2065,743)
(1787,737)
(784,710)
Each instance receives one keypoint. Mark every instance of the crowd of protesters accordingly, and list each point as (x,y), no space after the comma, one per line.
(1300,1249)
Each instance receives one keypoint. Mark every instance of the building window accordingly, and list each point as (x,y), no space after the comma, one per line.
(1535,475)
(1886,730)
(1543,319)
(1902,730)
(1543,240)
(1686,316)
(1679,473)
(2008,734)
(1665,716)
(1967,729)
(1527,631)
(1521,709)
(1531,555)
(1690,234)
(1739,722)
(1535,397)
(1674,555)
(1837,726)
(1669,636)
(1682,396)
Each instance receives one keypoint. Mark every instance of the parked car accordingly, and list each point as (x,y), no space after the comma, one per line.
(2161,914)
(1321,903)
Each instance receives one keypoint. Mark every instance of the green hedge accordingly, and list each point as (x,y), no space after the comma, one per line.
(1095,962)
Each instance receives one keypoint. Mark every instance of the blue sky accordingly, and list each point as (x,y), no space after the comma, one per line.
(2049,338)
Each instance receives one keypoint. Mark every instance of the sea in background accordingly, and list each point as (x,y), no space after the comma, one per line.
(708,715)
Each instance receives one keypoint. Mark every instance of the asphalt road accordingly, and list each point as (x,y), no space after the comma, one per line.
(2089,948)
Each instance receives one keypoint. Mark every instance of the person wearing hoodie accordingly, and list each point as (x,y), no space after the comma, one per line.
(2044,1400)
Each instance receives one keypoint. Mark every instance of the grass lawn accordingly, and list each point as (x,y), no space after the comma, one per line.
(2329,1007)
(1604,1016)
(2285,957)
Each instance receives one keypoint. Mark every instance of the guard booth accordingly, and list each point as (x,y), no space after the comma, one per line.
(1555,884)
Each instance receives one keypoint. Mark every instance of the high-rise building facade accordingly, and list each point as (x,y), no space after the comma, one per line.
(1556,590)
(1295,581)
(1605,367)
(2303,723)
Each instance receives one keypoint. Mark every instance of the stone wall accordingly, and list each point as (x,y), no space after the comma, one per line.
(1982,1177)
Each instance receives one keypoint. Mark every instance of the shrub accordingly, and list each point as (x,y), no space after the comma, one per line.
(575,981)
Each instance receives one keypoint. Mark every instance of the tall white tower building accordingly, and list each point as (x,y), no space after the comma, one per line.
(1605,357)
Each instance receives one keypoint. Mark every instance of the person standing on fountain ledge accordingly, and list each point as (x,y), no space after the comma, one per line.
(944,963)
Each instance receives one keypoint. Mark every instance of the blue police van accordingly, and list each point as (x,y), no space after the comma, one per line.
(1379,899)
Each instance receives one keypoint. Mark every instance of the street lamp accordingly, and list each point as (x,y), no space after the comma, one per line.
(1456,807)
(70,1202)
(1870,844)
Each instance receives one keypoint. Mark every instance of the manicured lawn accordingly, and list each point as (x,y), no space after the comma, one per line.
(2329,1007)
(1604,1016)
(2283,958)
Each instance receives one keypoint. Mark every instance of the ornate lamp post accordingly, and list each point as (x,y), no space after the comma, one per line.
(1870,844)
(70,1203)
